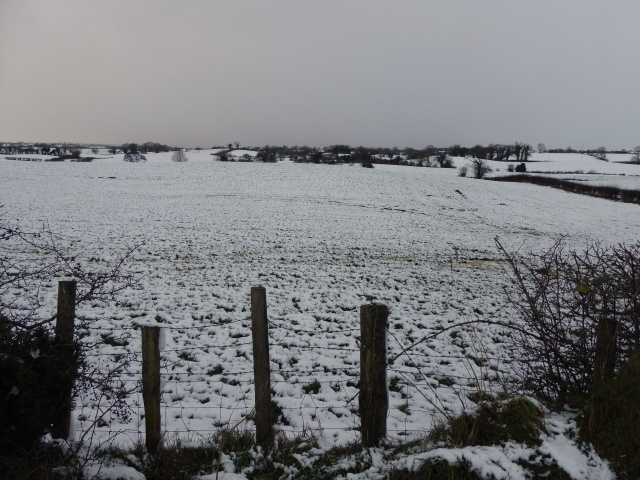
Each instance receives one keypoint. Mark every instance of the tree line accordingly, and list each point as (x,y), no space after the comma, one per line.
(339,153)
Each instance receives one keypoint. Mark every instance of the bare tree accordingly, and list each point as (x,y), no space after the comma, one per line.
(179,156)
(601,153)
(503,152)
(444,160)
(479,168)
(522,151)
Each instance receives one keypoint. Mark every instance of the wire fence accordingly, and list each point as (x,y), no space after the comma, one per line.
(201,398)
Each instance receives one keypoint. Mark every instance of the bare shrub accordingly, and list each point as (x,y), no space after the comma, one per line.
(179,156)
(567,298)
(134,157)
(33,362)
(443,160)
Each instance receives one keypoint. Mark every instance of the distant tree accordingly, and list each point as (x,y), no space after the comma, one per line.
(636,155)
(458,151)
(443,160)
(479,168)
(414,154)
(430,151)
(156,147)
(130,148)
(542,148)
(237,144)
(521,168)
(361,155)
(113,150)
(522,151)
(179,156)
(75,152)
(95,151)
(340,149)
(478,151)
(601,153)
(503,152)
(267,154)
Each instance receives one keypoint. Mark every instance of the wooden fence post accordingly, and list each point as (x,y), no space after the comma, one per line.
(65,318)
(261,367)
(151,386)
(374,395)
(606,352)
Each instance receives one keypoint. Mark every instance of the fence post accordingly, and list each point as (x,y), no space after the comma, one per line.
(65,318)
(374,396)
(605,354)
(261,367)
(151,386)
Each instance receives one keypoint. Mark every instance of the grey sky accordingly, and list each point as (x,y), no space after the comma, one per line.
(299,72)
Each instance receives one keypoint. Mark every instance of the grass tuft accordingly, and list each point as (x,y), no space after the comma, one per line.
(494,423)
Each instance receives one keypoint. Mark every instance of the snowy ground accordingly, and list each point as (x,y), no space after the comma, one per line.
(323,240)
(616,172)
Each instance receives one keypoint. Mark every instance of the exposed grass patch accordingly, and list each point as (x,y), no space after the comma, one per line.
(494,423)
(313,387)
(179,461)
(108,339)
(291,458)
(336,462)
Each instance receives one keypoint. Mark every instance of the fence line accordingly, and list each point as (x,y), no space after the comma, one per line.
(373,404)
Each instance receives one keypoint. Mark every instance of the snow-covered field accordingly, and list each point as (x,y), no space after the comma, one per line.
(615,172)
(323,240)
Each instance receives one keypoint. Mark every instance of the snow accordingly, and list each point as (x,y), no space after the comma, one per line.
(584,168)
(100,471)
(505,461)
(323,240)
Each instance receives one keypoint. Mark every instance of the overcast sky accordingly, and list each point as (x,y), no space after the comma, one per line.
(299,72)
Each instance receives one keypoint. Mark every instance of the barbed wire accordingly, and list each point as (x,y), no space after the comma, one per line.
(180,405)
